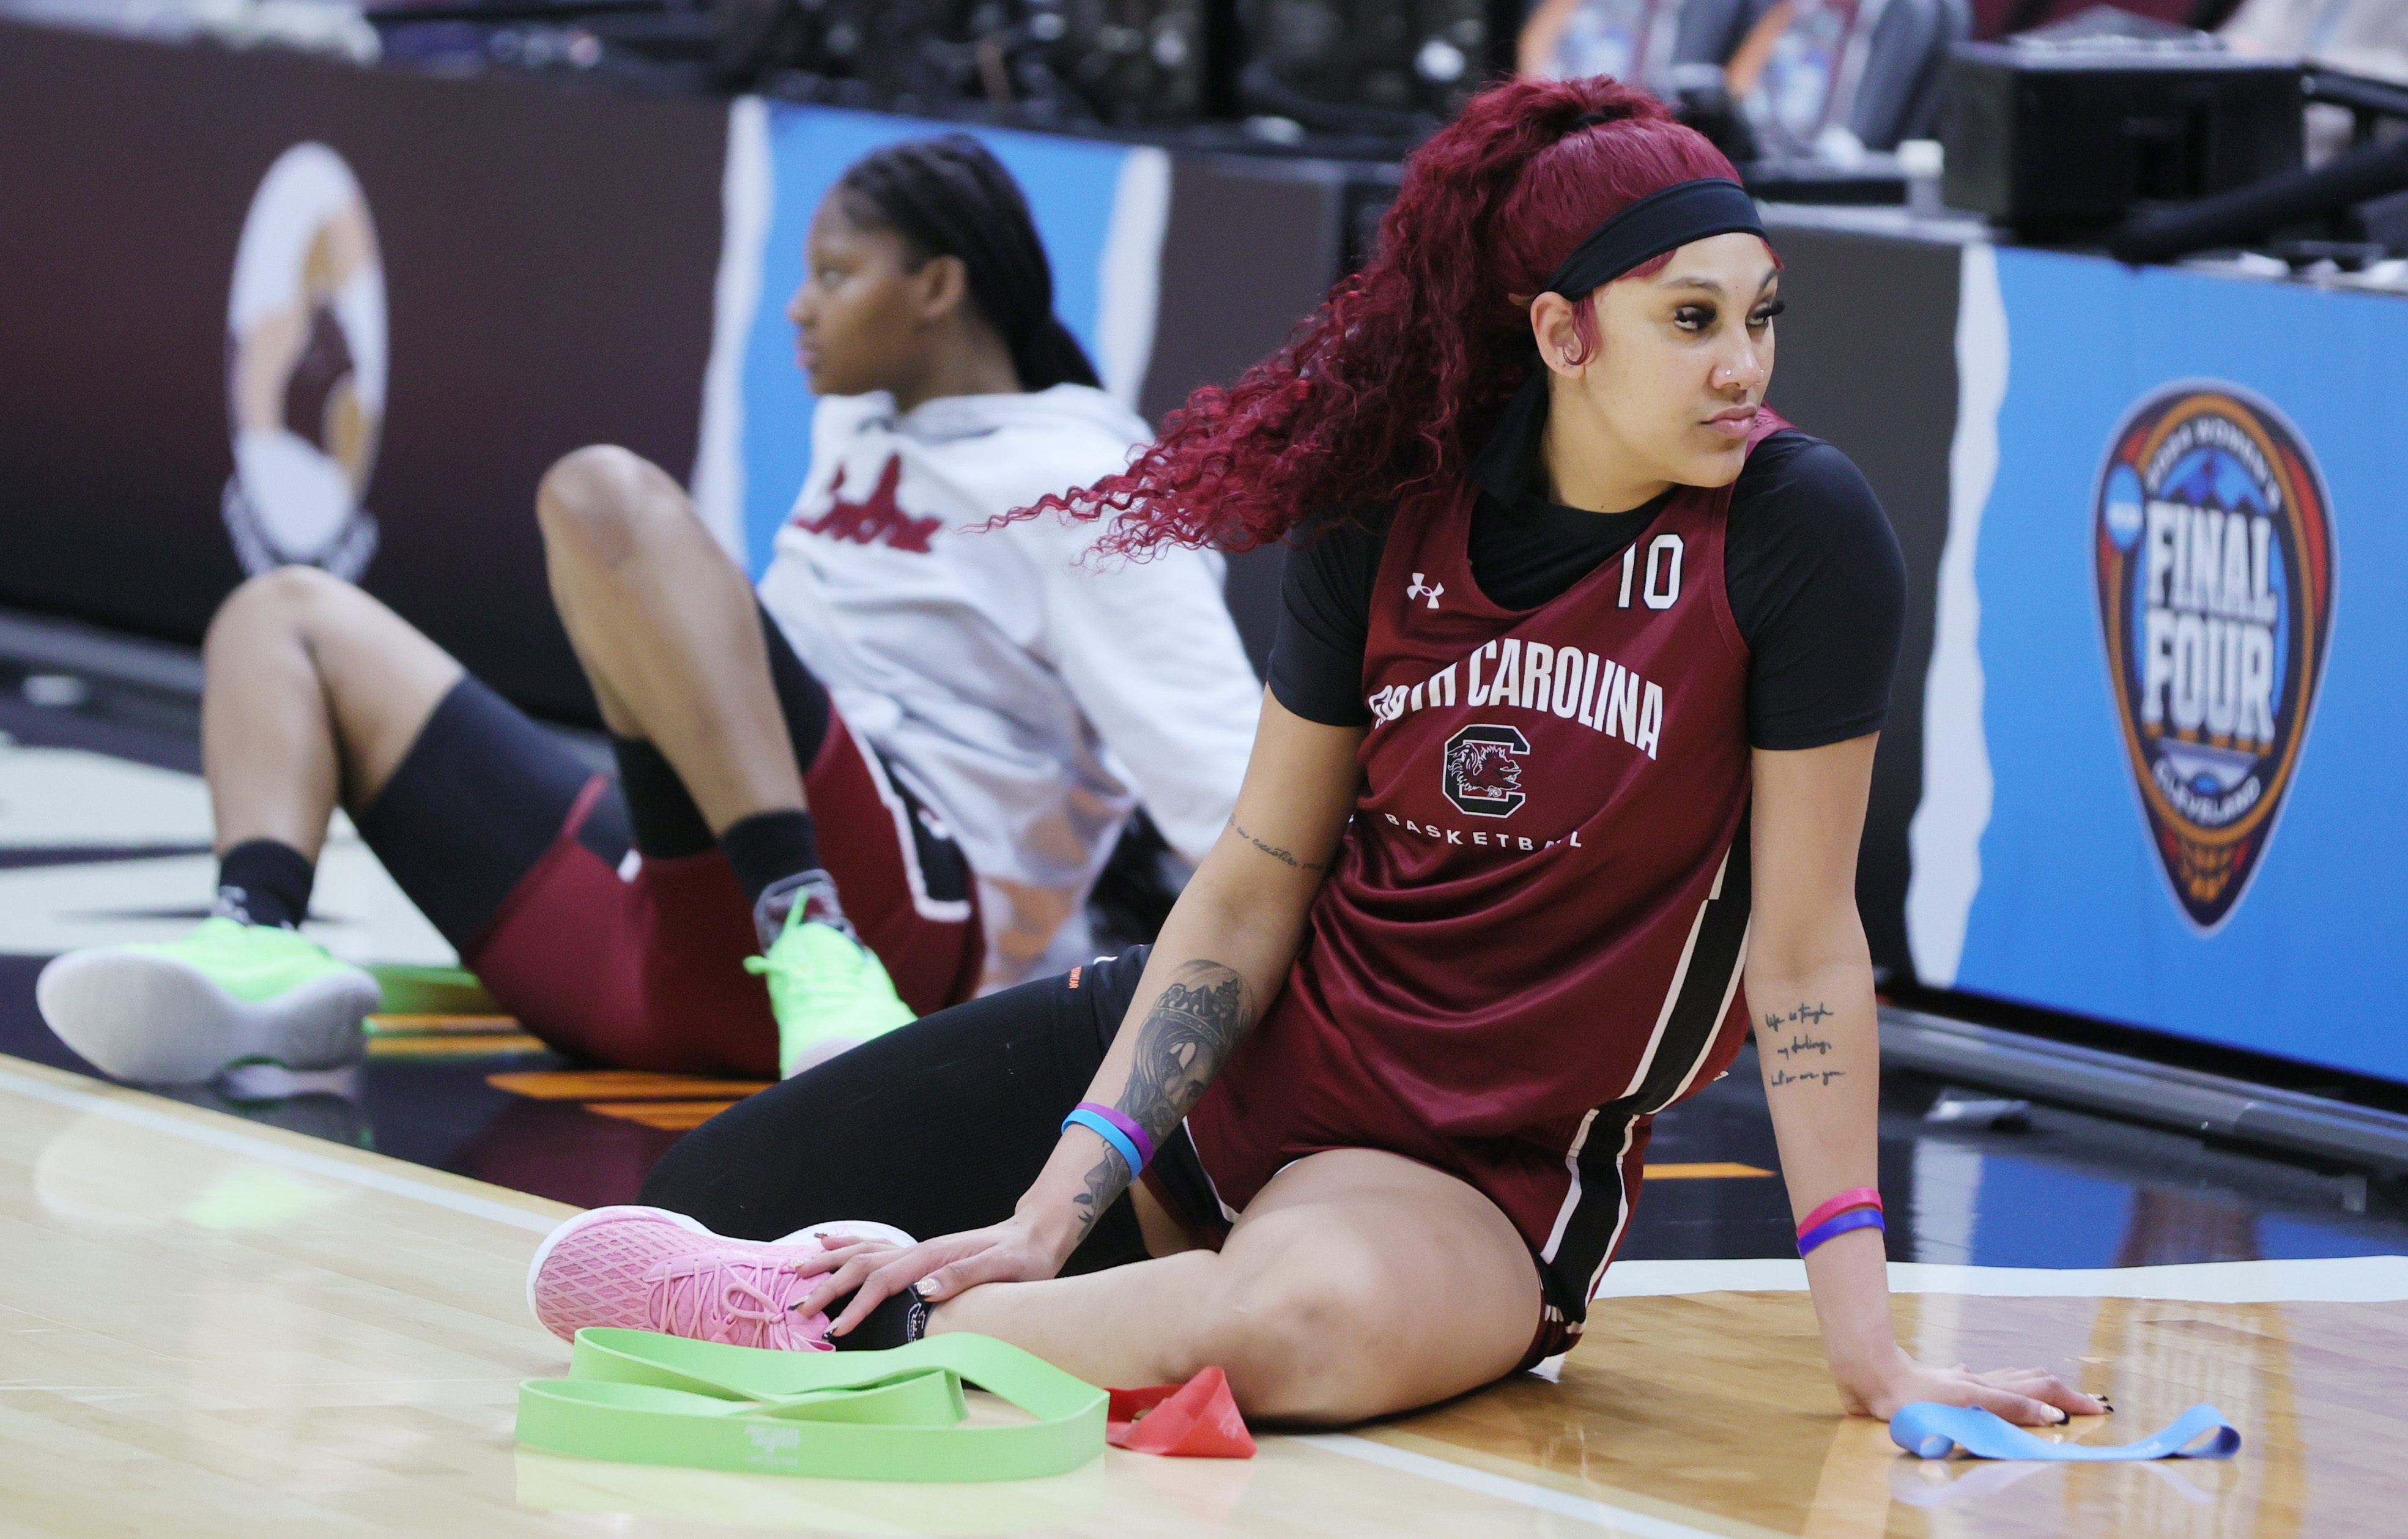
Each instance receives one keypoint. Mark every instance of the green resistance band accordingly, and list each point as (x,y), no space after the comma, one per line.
(641,1398)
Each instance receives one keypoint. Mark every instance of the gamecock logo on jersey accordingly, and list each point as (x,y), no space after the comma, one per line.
(2213,544)
(1483,771)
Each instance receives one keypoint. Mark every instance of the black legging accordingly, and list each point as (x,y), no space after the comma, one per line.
(936,1128)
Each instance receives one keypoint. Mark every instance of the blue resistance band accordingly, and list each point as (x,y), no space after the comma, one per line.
(1095,1123)
(1928,1429)
(1831,1229)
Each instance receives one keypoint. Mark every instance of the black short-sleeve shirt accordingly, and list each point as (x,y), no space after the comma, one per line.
(1815,581)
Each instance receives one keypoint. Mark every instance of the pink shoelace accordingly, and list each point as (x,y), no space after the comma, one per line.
(714,1299)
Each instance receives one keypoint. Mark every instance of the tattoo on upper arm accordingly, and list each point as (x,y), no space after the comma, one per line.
(1180,1045)
(1284,857)
(1790,1037)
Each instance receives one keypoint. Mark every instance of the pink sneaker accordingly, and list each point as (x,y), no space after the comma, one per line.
(646,1269)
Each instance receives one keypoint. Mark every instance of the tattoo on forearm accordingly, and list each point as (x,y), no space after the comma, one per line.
(1183,1043)
(1180,1045)
(1283,856)
(1104,1183)
(1790,1037)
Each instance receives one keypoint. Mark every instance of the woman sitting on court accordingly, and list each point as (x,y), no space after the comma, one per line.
(945,724)
(1558,789)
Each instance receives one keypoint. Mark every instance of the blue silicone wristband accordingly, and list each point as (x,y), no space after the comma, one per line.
(1831,1229)
(1109,1135)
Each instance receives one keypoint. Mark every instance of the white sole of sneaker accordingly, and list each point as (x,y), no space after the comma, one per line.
(159,1021)
(819,1053)
(592,1215)
(859,1228)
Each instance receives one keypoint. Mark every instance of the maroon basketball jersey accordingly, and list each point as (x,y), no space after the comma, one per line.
(1532,935)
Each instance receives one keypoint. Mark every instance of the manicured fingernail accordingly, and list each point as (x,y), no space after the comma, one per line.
(925,1289)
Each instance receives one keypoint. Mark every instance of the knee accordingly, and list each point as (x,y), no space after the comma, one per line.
(1311,1348)
(293,600)
(598,498)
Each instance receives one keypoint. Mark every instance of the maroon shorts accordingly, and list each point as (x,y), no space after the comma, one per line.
(646,970)
(1573,1231)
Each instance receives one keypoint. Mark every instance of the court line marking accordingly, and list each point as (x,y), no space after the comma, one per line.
(118,1109)
(1583,1509)
(2341,1279)
(2364,1279)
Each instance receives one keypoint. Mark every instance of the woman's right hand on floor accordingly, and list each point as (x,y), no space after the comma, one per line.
(1008,1252)
(2028,1397)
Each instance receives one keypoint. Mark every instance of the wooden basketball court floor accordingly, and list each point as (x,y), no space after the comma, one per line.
(211,1326)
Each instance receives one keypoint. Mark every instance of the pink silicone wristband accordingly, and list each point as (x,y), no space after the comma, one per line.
(1855,1197)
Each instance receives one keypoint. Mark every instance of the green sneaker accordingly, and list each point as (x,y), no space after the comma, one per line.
(828,991)
(228,993)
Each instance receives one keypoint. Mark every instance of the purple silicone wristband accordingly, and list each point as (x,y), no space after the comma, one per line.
(1831,1229)
(1129,1130)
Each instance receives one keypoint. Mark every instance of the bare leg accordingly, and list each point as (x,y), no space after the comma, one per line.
(315,691)
(663,624)
(1356,1284)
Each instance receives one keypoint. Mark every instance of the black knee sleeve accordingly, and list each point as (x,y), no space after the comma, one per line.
(481,796)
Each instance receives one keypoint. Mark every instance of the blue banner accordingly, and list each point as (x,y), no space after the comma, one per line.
(2179,623)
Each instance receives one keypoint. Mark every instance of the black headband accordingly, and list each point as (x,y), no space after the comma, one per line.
(1663,220)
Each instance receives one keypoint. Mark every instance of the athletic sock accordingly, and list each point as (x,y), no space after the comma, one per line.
(661,813)
(768,848)
(264,882)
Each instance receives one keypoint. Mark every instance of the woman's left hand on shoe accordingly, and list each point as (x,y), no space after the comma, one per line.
(874,1271)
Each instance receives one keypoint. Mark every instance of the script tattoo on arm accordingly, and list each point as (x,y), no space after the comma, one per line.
(1284,857)
(1180,1045)
(1801,1048)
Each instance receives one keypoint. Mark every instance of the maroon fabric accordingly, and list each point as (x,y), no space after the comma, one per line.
(649,974)
(1527,946)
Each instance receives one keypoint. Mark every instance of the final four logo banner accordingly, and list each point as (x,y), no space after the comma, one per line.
(2212,545)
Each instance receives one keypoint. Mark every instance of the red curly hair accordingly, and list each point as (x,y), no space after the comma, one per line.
(1384,390)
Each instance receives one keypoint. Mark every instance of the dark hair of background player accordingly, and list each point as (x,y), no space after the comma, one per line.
(949,197)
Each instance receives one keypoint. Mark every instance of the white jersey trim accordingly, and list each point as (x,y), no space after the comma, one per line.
(1672,995)
(1572,1196)
(942,911)
(1621,1218)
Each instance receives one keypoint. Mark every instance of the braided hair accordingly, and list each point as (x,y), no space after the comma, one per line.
(949,197)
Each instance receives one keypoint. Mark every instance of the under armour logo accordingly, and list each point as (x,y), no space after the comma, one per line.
(1418,589)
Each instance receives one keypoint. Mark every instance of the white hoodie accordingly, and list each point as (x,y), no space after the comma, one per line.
(1029,692)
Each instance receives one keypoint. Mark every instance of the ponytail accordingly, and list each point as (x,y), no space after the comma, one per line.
(1386,389)
(949,197)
